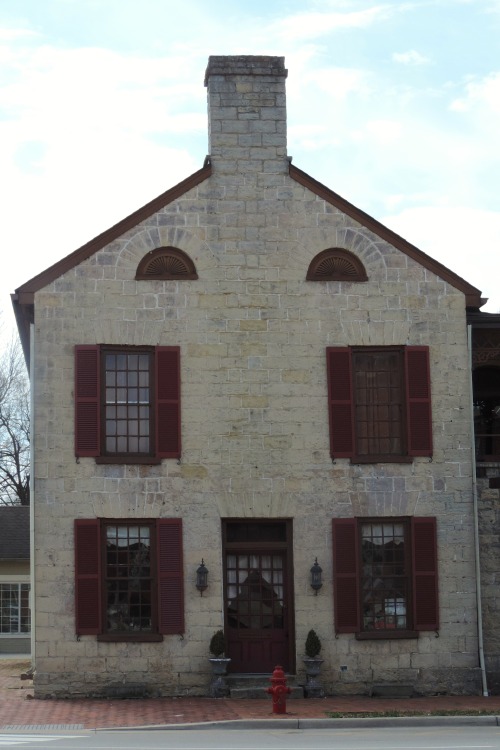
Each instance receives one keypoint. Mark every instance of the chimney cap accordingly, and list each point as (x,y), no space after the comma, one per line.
(245,65)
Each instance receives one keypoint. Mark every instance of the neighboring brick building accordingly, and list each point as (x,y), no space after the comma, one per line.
(251,371)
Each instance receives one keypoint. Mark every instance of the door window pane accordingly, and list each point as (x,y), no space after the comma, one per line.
(255,591)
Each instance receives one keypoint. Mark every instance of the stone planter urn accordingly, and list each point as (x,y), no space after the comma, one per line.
(220,664)
(218,685)
(313,688)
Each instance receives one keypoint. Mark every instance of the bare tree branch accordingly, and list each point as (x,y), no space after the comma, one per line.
(14,427)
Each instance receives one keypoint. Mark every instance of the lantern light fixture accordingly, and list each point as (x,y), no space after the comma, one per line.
(201,577)
(316,576)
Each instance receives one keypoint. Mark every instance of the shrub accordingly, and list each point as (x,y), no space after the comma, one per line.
(217,643)
(313,645)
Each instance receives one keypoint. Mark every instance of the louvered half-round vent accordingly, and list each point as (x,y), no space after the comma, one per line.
(336,264)
(166,263)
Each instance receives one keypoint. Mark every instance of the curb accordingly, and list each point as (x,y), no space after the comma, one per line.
(366,723)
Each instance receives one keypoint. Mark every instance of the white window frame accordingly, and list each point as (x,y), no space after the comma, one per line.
(17,579)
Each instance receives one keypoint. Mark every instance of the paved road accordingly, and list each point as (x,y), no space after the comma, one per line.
(425,738)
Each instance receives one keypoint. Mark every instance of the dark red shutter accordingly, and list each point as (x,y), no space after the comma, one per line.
(418,397)
(87,401)
(168,402)
(425,574)
(345,575)
(341,412)
(87,577)
(170,576)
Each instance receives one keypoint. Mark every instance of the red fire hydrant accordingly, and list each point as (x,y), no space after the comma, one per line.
(278,690)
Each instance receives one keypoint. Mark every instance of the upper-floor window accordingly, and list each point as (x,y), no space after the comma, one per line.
(166,263)
(127,403)
(127,391)
(379,403)
(336,264)
(486,386)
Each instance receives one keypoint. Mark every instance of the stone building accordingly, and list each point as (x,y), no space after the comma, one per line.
(251,372)
(485,366)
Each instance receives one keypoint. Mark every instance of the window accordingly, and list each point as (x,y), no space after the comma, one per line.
(127,403)
(129,582)
(14,609)
(336,264)
(385,576)
(379,403)
(486,385)
(167,263)
(129,603)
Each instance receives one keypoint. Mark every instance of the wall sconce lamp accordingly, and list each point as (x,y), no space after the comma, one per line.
(316,573)
(201,577)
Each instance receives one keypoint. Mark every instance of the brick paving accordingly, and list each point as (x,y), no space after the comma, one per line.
(18,707)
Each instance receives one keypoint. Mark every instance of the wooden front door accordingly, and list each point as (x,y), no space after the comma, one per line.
(259,618)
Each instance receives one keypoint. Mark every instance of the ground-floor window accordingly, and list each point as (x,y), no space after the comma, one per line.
(385,576)
(14,609)
(129,578)
(385,579)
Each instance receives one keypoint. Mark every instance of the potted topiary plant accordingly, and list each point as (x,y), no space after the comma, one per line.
(217,647)
(312,663)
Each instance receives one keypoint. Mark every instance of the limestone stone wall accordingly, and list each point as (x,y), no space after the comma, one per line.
(252,334)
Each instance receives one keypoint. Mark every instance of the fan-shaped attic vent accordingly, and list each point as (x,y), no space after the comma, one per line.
(336,264)
(166,263)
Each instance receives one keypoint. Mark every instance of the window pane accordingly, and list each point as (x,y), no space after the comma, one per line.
(14,608)
(127,371)
(385,577)
(379,405)
(129,585)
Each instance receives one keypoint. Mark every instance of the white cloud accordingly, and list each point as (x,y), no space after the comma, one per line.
(89,134)
(311,25)
(14,34)
(484,93)
(464,239)
(412,57)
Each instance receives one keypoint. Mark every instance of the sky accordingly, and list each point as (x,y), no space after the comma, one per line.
(395,105)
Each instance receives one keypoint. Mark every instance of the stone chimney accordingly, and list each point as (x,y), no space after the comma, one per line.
(247,114)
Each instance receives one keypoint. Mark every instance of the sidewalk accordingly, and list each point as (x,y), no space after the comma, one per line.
(19,710)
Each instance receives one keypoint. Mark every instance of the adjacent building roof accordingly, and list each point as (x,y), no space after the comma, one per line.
(14,532)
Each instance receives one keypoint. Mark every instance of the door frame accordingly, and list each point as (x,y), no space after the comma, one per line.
(285,546)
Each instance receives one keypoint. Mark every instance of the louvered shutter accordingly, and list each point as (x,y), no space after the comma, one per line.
(168,415)
(341,412)
(170,576)
(87,577)
(87,421)
(418,397)
(345,575)
(425,574)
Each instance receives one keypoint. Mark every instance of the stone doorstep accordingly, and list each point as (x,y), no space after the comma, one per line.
(255,686)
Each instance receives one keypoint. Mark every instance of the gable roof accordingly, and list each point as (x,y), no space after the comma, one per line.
(15,532)
(23,298)
(473,297)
